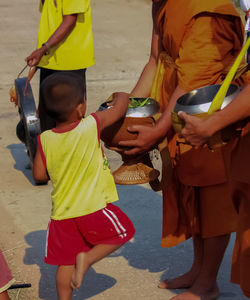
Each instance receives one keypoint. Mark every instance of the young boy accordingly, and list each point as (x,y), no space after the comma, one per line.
(84,227)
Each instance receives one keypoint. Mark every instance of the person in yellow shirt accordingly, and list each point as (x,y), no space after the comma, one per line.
(85,226)
(65,43)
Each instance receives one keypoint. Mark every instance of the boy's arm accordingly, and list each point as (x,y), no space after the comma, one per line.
(116,111)
(39,171)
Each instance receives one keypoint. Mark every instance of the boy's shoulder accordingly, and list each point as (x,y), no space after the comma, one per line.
(86,122)
(90,121)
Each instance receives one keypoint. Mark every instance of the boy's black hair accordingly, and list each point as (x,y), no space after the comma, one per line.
(61,92)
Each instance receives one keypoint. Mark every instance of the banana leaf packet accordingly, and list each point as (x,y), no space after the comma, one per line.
(139,102)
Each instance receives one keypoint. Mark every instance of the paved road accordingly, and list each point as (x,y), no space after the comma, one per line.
(122,30)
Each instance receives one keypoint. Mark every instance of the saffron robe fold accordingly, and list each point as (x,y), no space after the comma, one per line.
(241,256)
(241,196)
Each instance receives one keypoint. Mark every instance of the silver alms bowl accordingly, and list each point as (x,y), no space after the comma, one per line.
(150,109)
(198,101)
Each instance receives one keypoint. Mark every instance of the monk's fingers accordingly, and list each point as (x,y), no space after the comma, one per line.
(191,140)
(183,115)
(185,134)
(138,128)
(133,151)
(129,143)
(134,146)
(196,142)
(189,120)
(187,131)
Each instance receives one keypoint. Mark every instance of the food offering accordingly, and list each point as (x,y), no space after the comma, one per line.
(140,102)
(135,169)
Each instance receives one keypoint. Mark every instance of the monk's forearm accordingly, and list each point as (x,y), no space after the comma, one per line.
(237,110)
(165,123)
(144,84)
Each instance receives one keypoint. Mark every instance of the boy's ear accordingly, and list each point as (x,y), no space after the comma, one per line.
(81,109)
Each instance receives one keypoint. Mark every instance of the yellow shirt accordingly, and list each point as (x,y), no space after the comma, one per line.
(76,51)
(82,181)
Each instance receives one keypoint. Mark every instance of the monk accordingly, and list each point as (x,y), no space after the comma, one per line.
(193,44)
(197,132)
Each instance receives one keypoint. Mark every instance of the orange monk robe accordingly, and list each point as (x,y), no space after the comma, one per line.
(241,194)
(201,38)
(241,256)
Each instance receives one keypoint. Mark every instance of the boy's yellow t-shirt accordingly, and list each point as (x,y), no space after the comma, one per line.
(76,51)
(82,181)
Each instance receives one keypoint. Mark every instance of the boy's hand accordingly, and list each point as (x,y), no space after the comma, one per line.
(113,99)
(118,109)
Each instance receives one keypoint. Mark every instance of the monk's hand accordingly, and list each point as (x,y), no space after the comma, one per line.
(146,140)
(195,131)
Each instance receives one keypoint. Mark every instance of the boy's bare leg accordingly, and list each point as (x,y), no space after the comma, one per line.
(63,280)
(85,260)
(4,296)
(205,286)
(187,280)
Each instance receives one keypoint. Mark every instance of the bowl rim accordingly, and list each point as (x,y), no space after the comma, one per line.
(189,107)
(137,112)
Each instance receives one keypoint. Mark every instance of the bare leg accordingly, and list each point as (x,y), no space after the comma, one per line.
(4,296)
(186,280)
(63,280)
(205,286)
(85,260)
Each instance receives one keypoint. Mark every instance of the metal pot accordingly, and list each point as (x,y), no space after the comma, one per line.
(150,109)
(197,102)
(141,115)
(136,169)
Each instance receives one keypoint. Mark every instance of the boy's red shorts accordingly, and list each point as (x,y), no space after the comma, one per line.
(66,238)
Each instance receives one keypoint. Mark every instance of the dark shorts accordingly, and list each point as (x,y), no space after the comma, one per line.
(66,238)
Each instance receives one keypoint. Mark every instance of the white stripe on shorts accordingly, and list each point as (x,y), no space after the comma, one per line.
(115,221)
(47,237)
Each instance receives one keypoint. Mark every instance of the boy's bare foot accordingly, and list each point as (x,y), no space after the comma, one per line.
(184,281)
(199,294)
(77,276)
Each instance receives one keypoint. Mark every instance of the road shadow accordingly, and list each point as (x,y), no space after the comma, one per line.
(94,283)
(19,153)
(144,208)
